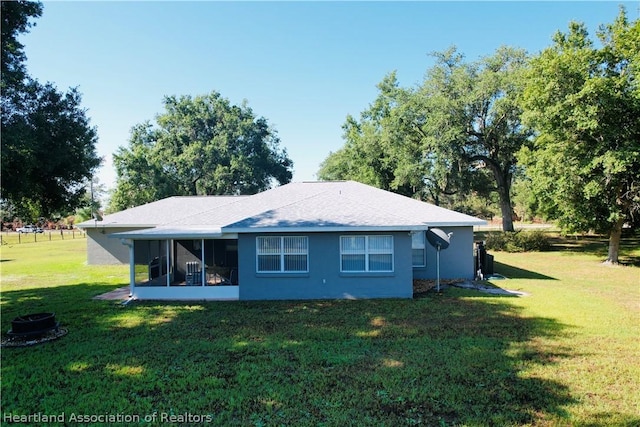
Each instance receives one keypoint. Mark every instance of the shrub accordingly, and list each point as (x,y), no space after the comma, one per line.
(518,241)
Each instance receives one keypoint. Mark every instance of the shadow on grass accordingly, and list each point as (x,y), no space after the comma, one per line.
(445,360)
(595,245)
(71,299)
(599,245)
(512,272)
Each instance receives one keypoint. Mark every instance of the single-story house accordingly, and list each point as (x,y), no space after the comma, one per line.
(306,240)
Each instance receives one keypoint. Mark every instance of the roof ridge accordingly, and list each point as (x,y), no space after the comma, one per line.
(298,200)
(196,196)
(370,206)
(278,206)
(294,202)
(402,215)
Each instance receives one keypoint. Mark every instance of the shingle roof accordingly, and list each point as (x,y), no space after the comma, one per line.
(349,204)
(303,206)
(163,211)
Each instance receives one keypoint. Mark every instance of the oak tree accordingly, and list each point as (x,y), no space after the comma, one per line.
(201,145)
(455,134)
(583,99)
(48,144)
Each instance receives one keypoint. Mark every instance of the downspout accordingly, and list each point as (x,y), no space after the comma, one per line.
(132,266)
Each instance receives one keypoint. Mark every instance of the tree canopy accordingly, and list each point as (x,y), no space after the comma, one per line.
(15,21)
(200,145)
(456,133)
(48,145)
(584,102)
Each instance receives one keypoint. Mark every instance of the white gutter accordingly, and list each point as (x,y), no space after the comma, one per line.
(176,233)
(110,225)
(162,233)
(352,228)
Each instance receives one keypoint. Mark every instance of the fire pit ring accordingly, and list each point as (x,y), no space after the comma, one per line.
(32,329)
(33,325)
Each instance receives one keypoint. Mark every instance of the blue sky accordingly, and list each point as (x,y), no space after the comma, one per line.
(304,66)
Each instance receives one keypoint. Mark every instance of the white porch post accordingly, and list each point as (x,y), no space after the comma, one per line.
(203,272)
(132,269)
(132,265)
(168,263)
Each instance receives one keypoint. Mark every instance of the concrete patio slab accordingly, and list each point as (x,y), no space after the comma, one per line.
(119,294)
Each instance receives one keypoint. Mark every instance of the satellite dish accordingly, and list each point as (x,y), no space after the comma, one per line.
(438,238)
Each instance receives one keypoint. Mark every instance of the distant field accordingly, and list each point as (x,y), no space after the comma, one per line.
(567,355)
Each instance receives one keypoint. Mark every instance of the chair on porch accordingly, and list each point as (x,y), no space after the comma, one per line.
(194,274)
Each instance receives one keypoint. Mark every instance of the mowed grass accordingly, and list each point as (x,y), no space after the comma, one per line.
(565,355)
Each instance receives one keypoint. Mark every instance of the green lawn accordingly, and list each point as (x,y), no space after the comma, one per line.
(568,354)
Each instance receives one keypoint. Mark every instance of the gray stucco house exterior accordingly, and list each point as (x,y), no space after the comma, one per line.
(307,240)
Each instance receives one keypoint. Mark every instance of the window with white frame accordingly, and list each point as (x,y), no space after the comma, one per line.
(366,253)
(282,254)
(418,249)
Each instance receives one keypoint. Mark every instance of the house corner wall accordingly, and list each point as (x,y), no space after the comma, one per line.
(103,250)
(456,262)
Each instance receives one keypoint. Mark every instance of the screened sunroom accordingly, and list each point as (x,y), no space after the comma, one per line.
(183,268)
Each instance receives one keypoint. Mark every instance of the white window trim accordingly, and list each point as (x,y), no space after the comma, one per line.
(422,247)
(368,252)
(282,255)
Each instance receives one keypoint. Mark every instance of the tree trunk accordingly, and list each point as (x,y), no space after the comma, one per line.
(614,242)
(503,184)
(505,209)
